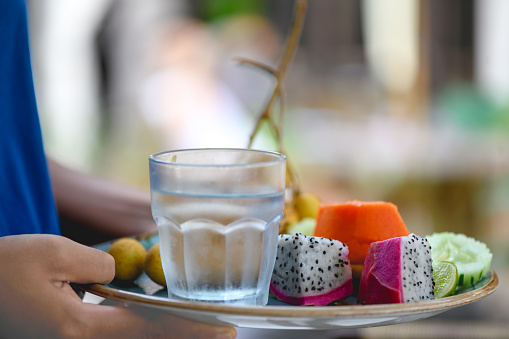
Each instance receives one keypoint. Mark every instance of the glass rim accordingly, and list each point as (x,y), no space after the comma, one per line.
(278,157)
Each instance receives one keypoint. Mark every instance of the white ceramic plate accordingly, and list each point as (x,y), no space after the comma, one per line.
(297,317)
(277,315)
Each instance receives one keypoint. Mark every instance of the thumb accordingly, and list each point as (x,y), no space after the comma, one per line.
(71,261)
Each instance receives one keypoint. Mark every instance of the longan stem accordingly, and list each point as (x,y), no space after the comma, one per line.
(267,113)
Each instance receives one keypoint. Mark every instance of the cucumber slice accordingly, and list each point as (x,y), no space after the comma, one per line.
(471,257)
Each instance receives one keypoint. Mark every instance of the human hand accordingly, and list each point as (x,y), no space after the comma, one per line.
(36,300)
(102,205)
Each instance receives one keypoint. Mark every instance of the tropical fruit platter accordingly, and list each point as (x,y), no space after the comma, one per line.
(353,249)
(379,274)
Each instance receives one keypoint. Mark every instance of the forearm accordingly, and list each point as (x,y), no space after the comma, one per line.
(103,205)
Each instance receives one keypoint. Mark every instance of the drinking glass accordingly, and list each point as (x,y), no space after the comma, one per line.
(218,214)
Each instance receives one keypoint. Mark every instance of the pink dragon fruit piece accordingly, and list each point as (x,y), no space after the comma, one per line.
(311,270)
(397,270)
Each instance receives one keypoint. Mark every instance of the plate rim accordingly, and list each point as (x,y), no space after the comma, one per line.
(289,311)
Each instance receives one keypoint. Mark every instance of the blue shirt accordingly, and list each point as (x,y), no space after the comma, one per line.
(26,200)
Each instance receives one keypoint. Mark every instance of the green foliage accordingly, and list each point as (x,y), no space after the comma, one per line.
(468,108)
(212,10)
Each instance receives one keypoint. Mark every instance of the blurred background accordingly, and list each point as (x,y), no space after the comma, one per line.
(402,100)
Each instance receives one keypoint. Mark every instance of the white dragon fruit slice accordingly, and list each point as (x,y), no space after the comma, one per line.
(397,270)
(311,270)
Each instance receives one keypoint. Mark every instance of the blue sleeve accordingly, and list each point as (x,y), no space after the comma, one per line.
(26,199)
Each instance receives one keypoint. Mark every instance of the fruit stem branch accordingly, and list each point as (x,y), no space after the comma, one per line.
(293,40)
(262,66)
(267,113)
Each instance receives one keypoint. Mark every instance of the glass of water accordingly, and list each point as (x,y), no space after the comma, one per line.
(218,214)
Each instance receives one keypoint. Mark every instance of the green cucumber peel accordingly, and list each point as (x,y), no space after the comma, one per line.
(471,257)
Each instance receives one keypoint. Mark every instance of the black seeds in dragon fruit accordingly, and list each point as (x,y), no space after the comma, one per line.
(397,270)
(311,270)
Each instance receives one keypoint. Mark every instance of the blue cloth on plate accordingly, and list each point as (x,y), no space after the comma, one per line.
(26,199)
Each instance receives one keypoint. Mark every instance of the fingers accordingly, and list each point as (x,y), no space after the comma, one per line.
(38,264)
(145,323)
(70,261)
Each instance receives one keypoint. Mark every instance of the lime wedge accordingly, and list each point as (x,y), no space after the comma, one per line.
(445,276)
(471,257)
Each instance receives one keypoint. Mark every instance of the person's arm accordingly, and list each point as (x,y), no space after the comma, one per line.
(36,300)
(103,205)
